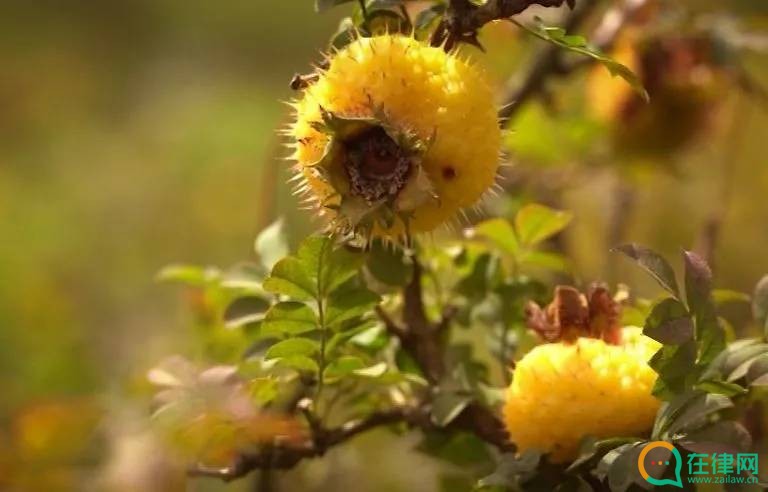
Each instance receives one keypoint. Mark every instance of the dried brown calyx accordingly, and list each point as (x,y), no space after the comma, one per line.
(374,169)
(377,167)
(572,315)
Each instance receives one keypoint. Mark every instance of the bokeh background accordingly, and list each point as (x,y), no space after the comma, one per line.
(138,134)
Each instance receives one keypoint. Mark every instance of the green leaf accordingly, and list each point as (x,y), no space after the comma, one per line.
(535,223)
(327,263)
(698,284)
(500,233)
(245,310)
(388,265)
(292,347)
(733,363)
(300,363)
(675,365)
(623,471)
(271,244)
(343,366)
(512,470)
(698,292)
(428,18)
(592,450)
(579,44)
(669,322)
(654,264)
(348,303)
(542,259)
(760,304)
(193,275)
(289,278)
(447,405)
(697,411)
(289,317)
(720,387)
(721,437)
(462,449)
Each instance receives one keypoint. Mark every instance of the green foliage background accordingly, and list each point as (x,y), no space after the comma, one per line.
(137,134)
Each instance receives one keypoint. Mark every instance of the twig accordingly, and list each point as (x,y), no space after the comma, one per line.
(287,456)
(463,18)
(550,63)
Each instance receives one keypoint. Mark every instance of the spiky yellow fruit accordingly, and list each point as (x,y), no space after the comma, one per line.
(563,392)
(395,137)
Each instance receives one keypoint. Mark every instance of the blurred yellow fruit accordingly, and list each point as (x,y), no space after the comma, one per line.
(395,137)
(686,83)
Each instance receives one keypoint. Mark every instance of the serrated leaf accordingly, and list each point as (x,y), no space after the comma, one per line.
(289,278)
(289,317)
(669,322)
(579,44)
(654,264)
(245,310)
(271,244)
(535,223)
(623,471)
(292,347)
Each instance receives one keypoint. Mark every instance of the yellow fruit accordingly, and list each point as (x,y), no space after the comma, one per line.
(395,137)
(563,392)
(686,83)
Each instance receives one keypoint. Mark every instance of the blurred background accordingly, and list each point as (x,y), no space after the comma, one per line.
(138,134)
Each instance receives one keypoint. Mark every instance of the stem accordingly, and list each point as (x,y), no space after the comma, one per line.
(321,318)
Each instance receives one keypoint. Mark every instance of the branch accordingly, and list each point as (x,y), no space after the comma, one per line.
(463,18)
(550,63)
(422,340)
(320,441)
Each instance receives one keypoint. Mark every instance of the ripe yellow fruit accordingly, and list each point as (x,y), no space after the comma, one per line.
(395,137)
(562,392)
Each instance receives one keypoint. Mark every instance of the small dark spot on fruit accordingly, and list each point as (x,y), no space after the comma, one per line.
(449,172)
